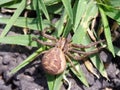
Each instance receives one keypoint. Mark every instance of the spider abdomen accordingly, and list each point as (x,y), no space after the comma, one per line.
(53,61)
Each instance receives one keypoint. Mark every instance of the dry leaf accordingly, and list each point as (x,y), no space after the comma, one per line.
(90,68)
(91,34)
(25,30)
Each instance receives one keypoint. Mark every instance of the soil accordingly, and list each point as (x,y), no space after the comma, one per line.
(32,77)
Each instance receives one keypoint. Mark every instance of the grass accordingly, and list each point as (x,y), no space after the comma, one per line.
(76,17)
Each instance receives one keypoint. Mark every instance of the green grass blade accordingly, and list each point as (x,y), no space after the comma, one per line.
(114,14)
(44,9)
(117,50)
(67,29)
(58,82)
(25,40)
(107,31)
(50,81)
(4,1)
(27,61)
(112,10)
(31,23)
(13,18)
(50,2)
(60,24)
(39,16)
(99,65)
(55,9)
(89,13)
(13,4)
(79,35)
(78,12)
(54,82)
(67,5)
(115,3)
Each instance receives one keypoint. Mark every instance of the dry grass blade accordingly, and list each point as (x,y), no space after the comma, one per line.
(90,68)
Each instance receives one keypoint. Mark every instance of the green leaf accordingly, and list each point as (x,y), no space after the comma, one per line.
(60,24)
(54,82)
(79,35)
(13,4)
(4,1)
(67,5)
(99,65)
(67,29)
(43,8)
(30,24)
(58,82)
(117,50)
(114,14)
(90,12)
(111,11)
(115,3)
(78,12)
(51,5)
(50,81)
(107,31)
(25,40)
(49,2)
(14,17)
(55,8)
(39,16)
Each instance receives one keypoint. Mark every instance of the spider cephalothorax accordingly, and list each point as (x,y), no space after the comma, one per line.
(54,60)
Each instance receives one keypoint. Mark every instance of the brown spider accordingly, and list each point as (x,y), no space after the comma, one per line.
(54,60)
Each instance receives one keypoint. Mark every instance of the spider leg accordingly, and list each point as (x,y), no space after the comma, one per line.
(69,60)
(87,46)
(43,43)
(77,51)
(77,57)
(85,54)
(48,36)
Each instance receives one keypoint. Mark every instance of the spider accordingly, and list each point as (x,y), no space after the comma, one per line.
(54,60)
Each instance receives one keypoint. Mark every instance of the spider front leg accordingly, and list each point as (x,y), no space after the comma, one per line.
(87,46)
(87,53)
(48,36)
(76,57)
(84,54)
(43,43)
